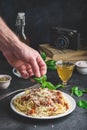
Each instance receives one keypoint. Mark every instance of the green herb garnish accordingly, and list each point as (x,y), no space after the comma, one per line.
(46,84)
(59,86)
(51,64)
(40,80)
(82,104)
(43,55)
(76,91)
(84,90)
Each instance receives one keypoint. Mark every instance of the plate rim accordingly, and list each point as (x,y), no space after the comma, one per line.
(71,100)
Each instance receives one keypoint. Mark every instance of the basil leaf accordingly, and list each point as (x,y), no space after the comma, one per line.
(75,88)
(43,55)
(76,91)
(46,84)
(84,90)
(82,104)
(51,67)
(43,85)
(50,85)
(41,79)
(59,86)
(51,62)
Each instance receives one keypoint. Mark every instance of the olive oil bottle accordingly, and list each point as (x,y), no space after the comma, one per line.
(20,28)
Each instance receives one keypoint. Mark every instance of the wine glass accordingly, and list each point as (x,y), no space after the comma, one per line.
(65,70)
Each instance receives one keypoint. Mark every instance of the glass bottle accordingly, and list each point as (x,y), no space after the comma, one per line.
(20,28)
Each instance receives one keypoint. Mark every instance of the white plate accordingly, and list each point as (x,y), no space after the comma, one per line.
(71,102)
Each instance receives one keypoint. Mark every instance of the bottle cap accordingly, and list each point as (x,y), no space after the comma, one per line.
(21,15)
(20,19)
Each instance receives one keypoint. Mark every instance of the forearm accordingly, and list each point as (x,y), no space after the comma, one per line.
(7,37)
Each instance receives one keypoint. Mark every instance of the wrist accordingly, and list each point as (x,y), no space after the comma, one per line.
(7,37)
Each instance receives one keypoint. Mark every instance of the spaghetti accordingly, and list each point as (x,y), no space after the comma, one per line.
(41,102)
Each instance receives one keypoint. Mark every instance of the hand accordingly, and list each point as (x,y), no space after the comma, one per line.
(26,60)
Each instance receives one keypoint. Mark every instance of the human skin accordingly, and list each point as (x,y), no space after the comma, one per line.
(24,58)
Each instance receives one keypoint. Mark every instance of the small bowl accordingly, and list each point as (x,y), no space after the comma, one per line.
(5,81)
(81,67)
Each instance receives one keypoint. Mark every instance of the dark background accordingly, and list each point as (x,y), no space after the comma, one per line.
(43,14)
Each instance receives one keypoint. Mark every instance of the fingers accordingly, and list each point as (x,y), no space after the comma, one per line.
(35,67)
(38,66)
(42,66)
(25,71)
(29,70)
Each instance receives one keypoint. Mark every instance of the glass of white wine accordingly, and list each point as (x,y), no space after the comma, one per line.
(65,70)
